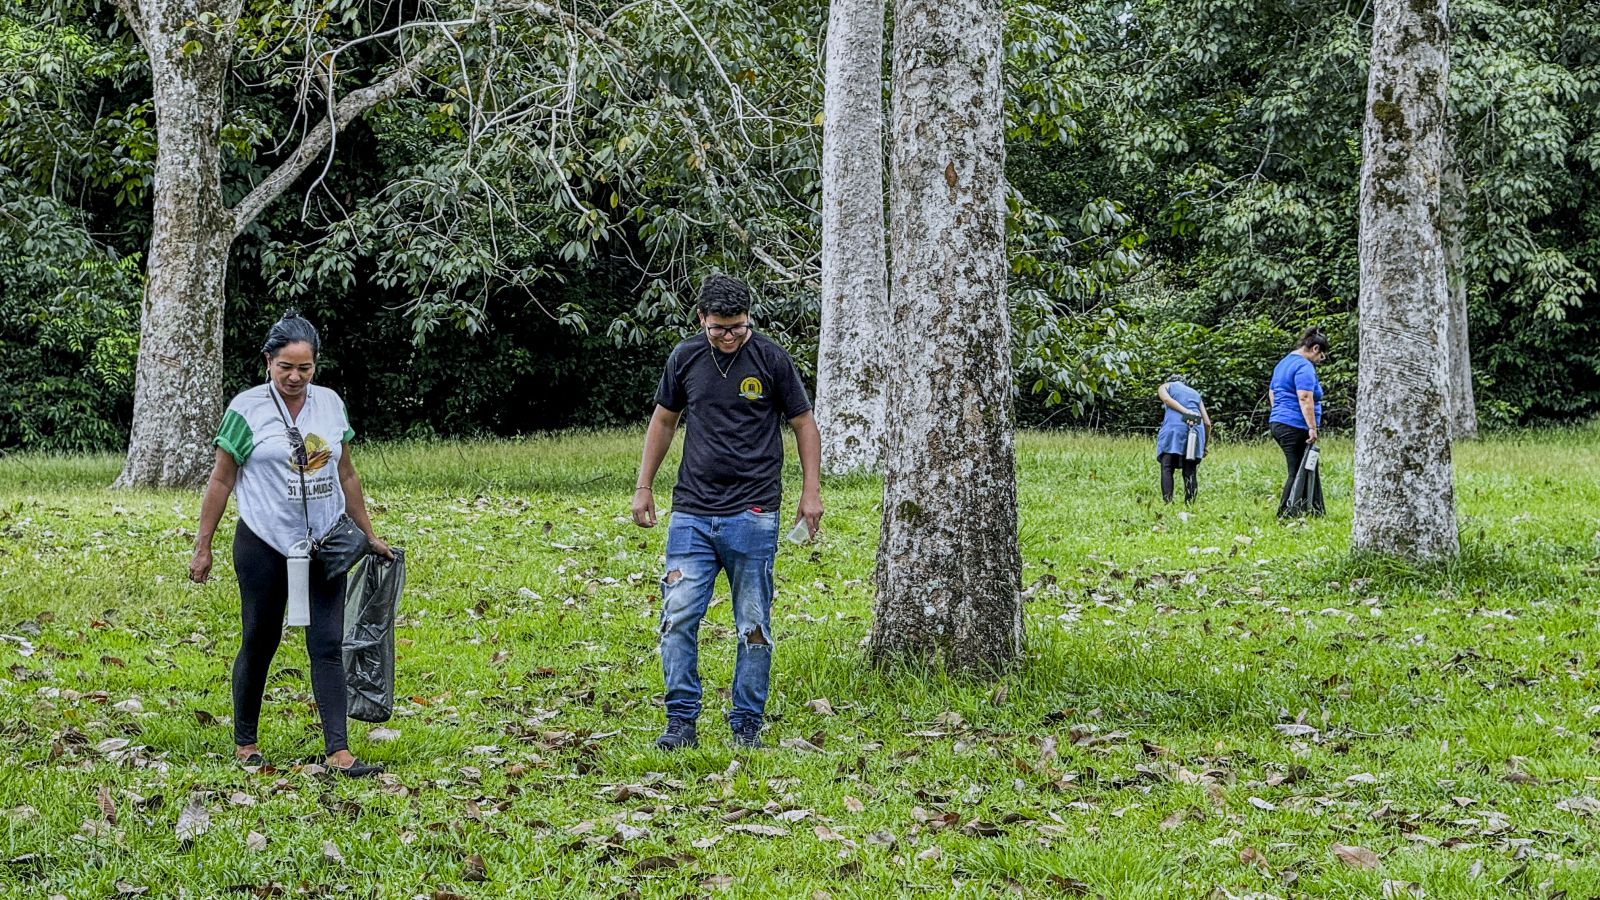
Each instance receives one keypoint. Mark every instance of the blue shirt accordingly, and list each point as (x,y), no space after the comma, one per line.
(1174,434)
(1294,374)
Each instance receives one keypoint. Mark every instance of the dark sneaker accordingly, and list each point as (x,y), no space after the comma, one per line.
(678,736)
(748,735)
(357,769)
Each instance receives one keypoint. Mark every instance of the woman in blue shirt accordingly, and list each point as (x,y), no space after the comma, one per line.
(1296,412)
(1184,411)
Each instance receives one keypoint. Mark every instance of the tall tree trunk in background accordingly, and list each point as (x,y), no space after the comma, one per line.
(178,390)
(851,367)
(177,397)
(1404,487)
(948,573)
(1463,404)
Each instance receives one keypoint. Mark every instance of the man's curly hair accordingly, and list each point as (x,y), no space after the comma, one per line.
(723,295)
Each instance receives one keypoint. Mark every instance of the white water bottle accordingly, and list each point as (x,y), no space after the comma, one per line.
(1312,453)
(1193,449)
(299,607)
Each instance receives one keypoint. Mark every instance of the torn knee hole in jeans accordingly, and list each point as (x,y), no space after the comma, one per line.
(673,577)
(755,636)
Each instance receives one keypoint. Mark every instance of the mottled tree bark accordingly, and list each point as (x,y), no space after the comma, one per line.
(1463,403)
(1404,493)
(948,574)
(178,390)
(851,367)
(178,385)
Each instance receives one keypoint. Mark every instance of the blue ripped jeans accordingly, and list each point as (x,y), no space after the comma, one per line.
(698,547)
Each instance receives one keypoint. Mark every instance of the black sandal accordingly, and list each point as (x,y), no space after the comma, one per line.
(356,769)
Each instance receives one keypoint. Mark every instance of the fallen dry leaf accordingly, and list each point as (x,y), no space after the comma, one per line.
(1296,730)
(474,870)
(255,840)
(1250,856)
(1355,857)
(718,882)
(193,820)
(1583,806)
(761,830)
(820,706)
(852,804)
(656,864)
(1397,890)
(977,828)
(380,735)
(1068,886)
(103,802)
(800,745)
(330,852)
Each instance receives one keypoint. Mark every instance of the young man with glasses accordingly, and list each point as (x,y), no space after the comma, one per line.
(737,387)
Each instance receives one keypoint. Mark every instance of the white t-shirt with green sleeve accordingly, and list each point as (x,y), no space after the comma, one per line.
(268,486)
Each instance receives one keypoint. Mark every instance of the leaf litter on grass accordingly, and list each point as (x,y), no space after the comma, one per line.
(1188,723)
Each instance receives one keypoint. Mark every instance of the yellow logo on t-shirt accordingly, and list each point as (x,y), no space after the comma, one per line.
(750,388)
(318,454)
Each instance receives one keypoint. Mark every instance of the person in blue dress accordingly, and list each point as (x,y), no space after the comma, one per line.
(1184,411)
(1296,413)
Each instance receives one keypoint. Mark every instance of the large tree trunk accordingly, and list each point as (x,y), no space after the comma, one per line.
(177,397)
(851,368)
(1404,492)
(178,391)
(1463,404)
(948,576)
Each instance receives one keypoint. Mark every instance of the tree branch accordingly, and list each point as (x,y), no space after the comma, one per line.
(131,12)
(321,137)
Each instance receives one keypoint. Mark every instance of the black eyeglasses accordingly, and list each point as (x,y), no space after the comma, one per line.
(735,330)
(297,446)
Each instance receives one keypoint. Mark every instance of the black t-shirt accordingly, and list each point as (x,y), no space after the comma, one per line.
(736,404)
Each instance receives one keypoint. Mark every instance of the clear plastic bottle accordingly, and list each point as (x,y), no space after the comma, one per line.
(800,533)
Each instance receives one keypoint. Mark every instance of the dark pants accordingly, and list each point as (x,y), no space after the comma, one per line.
(264,592)
(1191,481)
(1294,442)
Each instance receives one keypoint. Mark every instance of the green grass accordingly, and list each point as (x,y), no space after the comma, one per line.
(1135,753)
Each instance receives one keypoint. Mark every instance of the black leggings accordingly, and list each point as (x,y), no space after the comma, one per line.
(1191,481)
(1294,442)
(264,592)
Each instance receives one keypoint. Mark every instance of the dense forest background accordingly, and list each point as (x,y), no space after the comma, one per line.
(1183,180)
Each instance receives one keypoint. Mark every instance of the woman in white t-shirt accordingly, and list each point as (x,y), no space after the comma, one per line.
(278,441)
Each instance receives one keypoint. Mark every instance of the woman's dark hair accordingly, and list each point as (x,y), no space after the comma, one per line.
(1314,338)
(721,295)
(291,329)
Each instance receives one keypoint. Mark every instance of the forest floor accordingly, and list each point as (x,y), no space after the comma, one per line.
(1213,704)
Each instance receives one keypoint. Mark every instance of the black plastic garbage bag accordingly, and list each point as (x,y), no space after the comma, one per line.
(371,600)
